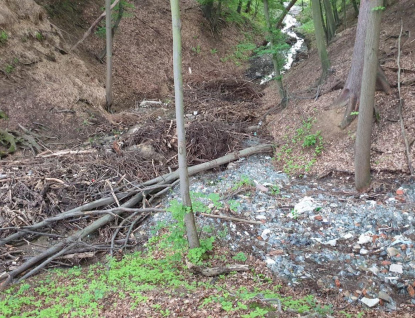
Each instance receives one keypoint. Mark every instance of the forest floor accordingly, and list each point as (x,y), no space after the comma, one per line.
(54,97)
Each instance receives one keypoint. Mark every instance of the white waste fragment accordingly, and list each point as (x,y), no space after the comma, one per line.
(261,217)
(374,270)
(265,233)
(347,236)
(330,242)
(363,251)
(269,261)
(396,268)
(364,239)
(370,302)
(306,204)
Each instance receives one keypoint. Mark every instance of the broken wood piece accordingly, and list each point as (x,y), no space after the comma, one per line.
(215,271)
(230,218)
(67,152)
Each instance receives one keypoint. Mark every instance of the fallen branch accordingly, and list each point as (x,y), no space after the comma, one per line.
(230,218)
(60,248)
(407,150)
(215,271)
(67,152)
(93,26)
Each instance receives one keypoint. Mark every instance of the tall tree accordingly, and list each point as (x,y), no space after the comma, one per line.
(189,218)
(335,12)
(320,38)
(330,22)
(367,98)
(108,27)
(278,77)
(248,6)
(284,13)
(350,94)
(355,7)
(239,8)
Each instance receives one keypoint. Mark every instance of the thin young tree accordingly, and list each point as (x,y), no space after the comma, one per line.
(320,38)
(350,94)
(278,77)
(367,97)
(108,27)
(330,22)
(189,218)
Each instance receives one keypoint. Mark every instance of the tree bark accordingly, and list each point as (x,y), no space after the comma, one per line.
(284,13)
(367,98)
(350,94)
(330,22)
(356,8)
(278,77)
(189,218)
(248,6)
(108,85)
(239,8)
(335,12)
(321,43)
(114,29)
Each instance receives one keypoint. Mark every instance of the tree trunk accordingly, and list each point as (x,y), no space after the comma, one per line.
(108,85)
(239,7)
(367,98)
(335,12)
(189,219)
(114,29)
(284,13)
(321,43)
(344,14)
(278,77)
(207,9)
(331,24)
(350,94)
(248,6)
(356,8)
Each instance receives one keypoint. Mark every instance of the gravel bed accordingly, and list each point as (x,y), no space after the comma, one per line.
(317,234)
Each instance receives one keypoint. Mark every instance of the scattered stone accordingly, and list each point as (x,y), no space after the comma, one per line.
(392,251)
(400,191)
(386,263)
(370,302)
(384,296)
(411,291)
(276,252)
(363,251)
(396,268)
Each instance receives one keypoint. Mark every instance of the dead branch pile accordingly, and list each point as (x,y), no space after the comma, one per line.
(111,200)
(232,100)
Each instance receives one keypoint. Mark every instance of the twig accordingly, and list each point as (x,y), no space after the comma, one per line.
(113,194)
(230,218)
(68,152)
(407,150)
(92,27)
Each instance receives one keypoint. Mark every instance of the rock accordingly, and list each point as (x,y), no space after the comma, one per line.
(318,218)
(370,302)
(396,268)
(411,291)
(363,251)
(392,251)
(384,296)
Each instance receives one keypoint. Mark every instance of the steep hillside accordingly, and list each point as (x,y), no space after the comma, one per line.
(388,150)
(46,86)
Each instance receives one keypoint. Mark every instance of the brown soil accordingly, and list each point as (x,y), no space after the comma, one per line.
(388,150)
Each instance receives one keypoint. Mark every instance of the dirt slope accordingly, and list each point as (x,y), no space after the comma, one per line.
(387,143)
(45,86)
